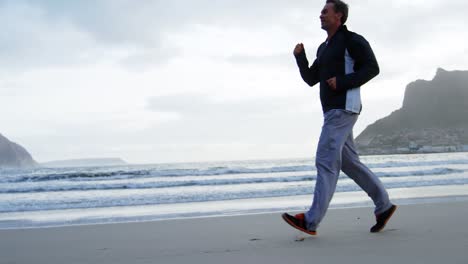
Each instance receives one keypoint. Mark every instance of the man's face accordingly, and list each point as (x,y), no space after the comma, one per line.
(329,18)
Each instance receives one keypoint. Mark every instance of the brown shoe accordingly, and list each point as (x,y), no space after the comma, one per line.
(382,219)
(298,222)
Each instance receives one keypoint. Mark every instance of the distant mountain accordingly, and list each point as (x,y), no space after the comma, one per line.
(13,155)
(97,162)
(433,118)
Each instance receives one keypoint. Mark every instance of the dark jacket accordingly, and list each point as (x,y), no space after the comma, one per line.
(330,62)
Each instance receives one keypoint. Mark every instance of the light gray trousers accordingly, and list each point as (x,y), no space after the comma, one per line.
(335,152)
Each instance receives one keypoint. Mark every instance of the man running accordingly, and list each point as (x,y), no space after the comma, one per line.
(344,62)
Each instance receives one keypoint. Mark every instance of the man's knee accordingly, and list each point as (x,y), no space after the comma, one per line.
(328,165)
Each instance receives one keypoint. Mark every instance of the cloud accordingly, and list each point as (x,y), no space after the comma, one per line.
(274,60)
(40,33)
(207,120)
(155,78)
(143,34)
(51,33)
(29,41)
(197,105)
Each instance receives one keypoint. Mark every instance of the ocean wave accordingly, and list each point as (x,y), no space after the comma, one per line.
(31,187)
(121,174)
(398,164)
(137,172)
(434,171)
(85,176)
(149,185)
(130,199)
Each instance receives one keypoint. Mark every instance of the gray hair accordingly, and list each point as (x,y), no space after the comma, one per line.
(340,7)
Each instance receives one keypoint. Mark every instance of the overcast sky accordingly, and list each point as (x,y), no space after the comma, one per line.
(198,80)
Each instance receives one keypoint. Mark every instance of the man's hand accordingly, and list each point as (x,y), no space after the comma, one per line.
(332,83)
(298,49)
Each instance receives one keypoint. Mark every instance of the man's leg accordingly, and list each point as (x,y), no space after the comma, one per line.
(363,176)
(338,124)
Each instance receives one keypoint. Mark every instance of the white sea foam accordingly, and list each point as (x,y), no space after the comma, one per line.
(44,191)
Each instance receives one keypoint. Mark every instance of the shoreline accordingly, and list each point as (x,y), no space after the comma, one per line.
(240,207)
(417,233)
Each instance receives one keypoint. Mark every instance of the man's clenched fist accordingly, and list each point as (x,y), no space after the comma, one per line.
(298,49)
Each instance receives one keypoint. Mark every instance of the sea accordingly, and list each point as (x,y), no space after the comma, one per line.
(50,197)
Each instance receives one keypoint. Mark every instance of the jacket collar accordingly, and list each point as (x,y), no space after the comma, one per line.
(342,28)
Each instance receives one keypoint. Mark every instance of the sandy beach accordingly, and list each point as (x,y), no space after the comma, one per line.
(422,233)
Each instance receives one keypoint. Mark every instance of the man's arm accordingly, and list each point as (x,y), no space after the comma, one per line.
(309,75)
(365,65)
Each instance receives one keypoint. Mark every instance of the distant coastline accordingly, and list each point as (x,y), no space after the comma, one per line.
(414,141)
(90,162)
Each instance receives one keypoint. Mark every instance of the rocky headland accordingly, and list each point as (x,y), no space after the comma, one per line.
(433,118)
(12,155)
